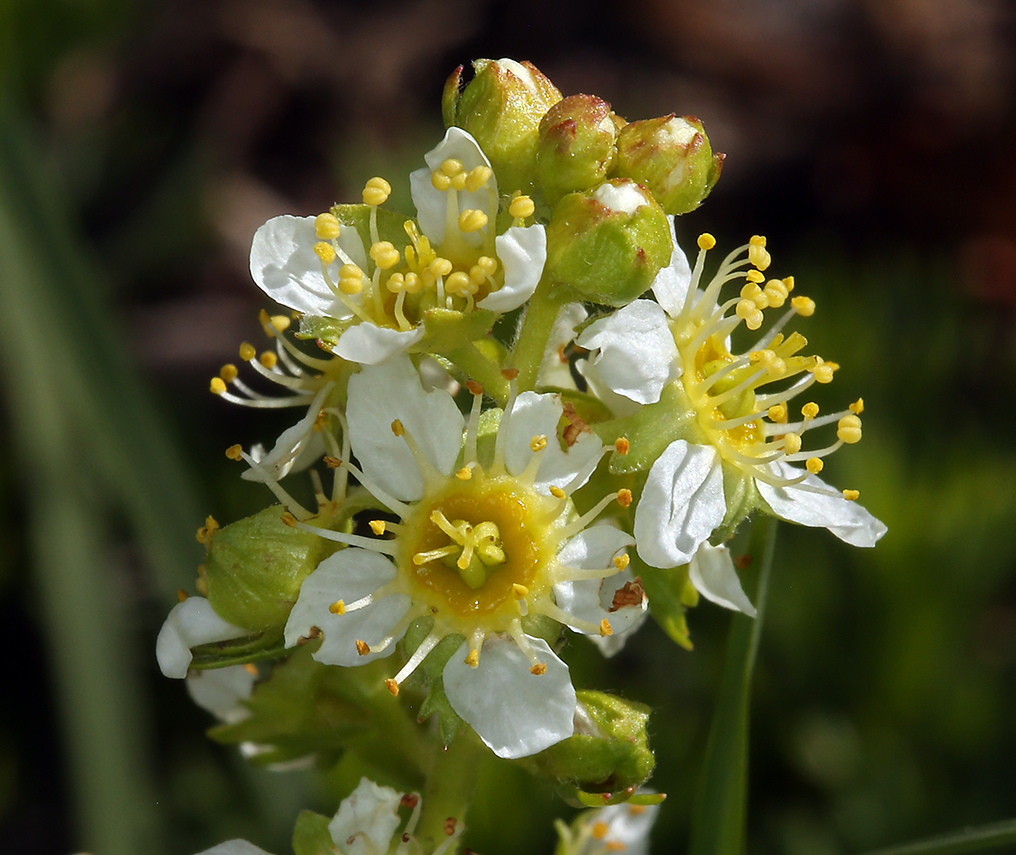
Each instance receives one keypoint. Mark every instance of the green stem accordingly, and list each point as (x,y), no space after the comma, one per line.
(449,790)
(719,816)
(531,344)
(478,367)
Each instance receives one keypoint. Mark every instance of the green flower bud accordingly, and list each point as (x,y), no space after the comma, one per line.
(622,228)
(576,146)
(254,568)
(609,751)
(671,156)
(502,107)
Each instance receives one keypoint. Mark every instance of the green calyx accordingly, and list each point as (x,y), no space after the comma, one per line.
(576,146)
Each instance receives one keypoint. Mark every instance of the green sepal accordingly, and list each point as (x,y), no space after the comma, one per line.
(428,677)
(325,330)
(447,330)
(390,224)
(311,835)
(670,595)
(598,800)
(254,648)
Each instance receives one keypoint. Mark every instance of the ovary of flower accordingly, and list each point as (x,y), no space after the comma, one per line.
(470,556)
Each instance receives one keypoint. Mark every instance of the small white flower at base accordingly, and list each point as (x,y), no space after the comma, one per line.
(190,624)
(235,847)
(612,829)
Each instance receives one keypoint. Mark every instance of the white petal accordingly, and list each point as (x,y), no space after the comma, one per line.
(234,847)
(712,573)
(431,203)
(637,355)
(522,253)
(537,414)
(370,344)
(670,287)
(190,624)
(379,395)
(370,811)
(824,509)
(627,827)
(515,712)
(617,404)
(553,370)
(681,504)
(300,444)
(285,266)
(347,575)
(221,691)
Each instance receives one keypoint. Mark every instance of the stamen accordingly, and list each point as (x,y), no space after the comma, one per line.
(386,547)
(327,227)
(423,464)
(376,192)
(428,644)
(622,497)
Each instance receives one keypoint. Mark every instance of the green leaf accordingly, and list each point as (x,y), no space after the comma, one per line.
(968,840)
(719,812)
(447,330)
(649,431)
(325,330)
(390,225)
(311,836)
(668,597)
(429,678)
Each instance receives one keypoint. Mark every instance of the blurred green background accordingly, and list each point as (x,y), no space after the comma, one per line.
(141,143)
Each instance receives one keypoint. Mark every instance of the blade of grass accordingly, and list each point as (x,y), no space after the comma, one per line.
(977,839)
(719,815)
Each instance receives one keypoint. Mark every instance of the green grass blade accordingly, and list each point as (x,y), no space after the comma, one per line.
(978,839)
(719,815)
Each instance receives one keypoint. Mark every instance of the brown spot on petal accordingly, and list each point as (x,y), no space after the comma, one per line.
(629,594)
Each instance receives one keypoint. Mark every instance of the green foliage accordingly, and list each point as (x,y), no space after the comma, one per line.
(310,836)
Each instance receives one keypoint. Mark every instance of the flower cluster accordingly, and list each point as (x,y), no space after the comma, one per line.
(494,484)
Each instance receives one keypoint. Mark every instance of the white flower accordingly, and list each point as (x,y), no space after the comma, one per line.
(379,293)
(222,691)
(615,828)
(190,624)
(480,545)
(731,426)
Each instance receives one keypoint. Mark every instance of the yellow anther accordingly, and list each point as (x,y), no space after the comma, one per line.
(748,312)
(520,591)
(440,267)
(473,659)
(338,607)
(621,445)
(350,279)
(377,526)
(327,227)
(521,207)
(268,359)
(600,829)
(758,241)
(396,283)
(809,410)
(487,264)
(777,413)
(459,181)
(464,474)
(331,462)
(538,443)
(615,846)
(440,181)
(755,276)
(181,595)
(280,323)
(235,452)
(477,274)
(325,252)
(228,372)
(472,220)
(384,254)
(509,374)
(376,192)
(413,283)
(247,352)
(206,531)
(621,561)
(478,176)
(217,386)
(538,669)
(605,628)
(451,167)
(624,497)
(823,372)
(804,306)
(848,429)
(636,810)
(791,443)
(776,293)
(392,687)
(857,407)
(557,492)
(851,495)
(397,428)
(706,241)
(362,647)
(814,465)
(460,283)
(758,255)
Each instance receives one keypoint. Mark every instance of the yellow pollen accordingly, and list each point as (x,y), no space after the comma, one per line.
(338,607)
(748,312)
(327,227)
(857,407)
(622,561)
(350,279)
(809,410)
(758,255)
(384,254)
(378,527)
(268,359)
(235,452)
(851,495)
(440,267)
(217,386)
(621,445)
(776,293)
(706,241)
(362,647)
(824,372)
(464,474)
(472,220)
(440,181)
(280,323)
(392,687)
(791,443)
(814,465)
(376,192)
(324,251)
(804,306)
(520,591)
(848,429)
(451,167)
(538,443)
(459,181)
(461,283)
(228,372)
(777,413)
(605,628)
(754,277)
(247,352)
(207,531)
(788,282)
(397,428)
(181,595)
(478,176)
(624,497)
(487,264)
(473,659)
(538,669)
(557,492)
(600,830)
(521,207)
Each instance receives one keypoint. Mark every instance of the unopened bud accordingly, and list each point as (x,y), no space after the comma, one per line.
(576,146)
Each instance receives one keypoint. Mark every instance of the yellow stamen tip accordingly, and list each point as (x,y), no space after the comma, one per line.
(478,176)
(857,407)
(206,532)
(605,628)
(804,306)
(247,352)
(451,167)
(181,595)
(538,669)
(621,445)
(362,647)
(622,561)
(327,227)
(851,495)
(235,452)
(538,443)
(777,413)
(378,527)
(791,443)
(392,687)
(217,386)
(464,474)
(557,492)
(755,277)
(384,254)
(706,241)
(520,591)
(848,429)
(624,497)
(600,829)
(376,192)
(228,372)
(473,659)
(472,220)
(521,207)
(338,607)
(325,252)
(397,428)
(809,410)
(814,465)
(268,359)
